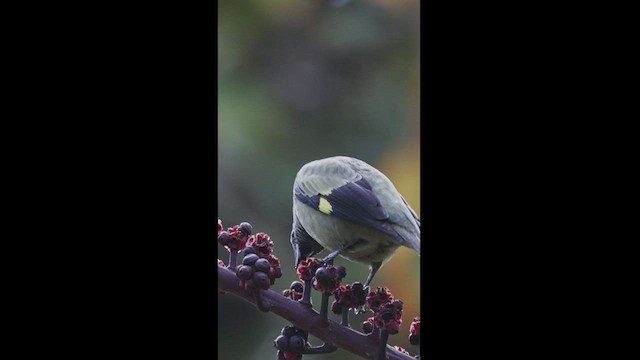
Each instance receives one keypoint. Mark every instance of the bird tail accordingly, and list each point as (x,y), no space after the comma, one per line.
(416,245)
(410,239)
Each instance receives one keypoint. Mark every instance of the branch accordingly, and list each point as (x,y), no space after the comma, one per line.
(306,318)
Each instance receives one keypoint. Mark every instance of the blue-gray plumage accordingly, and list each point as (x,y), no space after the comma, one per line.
(352,209)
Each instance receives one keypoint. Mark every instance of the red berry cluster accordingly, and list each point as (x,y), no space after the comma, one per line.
(235,238)
(259,244)
(377,298)
(257,272)
(389,317)
(307,268)
(348,297)
(328,278)
(414,332)
(295,291)
(387,312)
(291,342)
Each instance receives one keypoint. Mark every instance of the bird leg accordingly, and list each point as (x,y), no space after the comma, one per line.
(374,269)
(329,259)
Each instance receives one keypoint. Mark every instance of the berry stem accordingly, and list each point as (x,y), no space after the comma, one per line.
(262,304)
(323,349)
(345,316)
(382,349)
(233,260)
(375,334)
(306,293)
(324,307)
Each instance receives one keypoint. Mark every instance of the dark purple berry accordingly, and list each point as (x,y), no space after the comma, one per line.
(245,272)
(223,238)
(246,228)
(297,286)
(414,339)
(281,342)
(336,308)
(367,326)
(288,331)
(249,250)
(262,265)
(250,259)
(296,342)
(261,280)
(302,333)
(323,275)
(342,271)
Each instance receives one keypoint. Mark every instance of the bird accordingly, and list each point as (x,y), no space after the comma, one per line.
(350,208)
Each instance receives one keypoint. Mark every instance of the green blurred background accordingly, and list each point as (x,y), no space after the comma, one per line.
(300,80)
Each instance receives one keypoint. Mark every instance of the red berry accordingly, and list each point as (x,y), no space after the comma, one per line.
(307,268)
(288,355)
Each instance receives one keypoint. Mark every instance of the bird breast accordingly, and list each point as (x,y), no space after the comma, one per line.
(357,242)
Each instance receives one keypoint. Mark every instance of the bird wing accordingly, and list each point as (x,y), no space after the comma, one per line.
(412,242)
(413,213)
(346,195)
(303,244)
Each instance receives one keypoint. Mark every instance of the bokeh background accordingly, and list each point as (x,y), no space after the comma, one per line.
(299,80)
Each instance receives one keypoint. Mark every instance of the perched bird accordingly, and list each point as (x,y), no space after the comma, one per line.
(352,209)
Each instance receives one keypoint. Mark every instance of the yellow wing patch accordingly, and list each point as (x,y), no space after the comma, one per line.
(324,206)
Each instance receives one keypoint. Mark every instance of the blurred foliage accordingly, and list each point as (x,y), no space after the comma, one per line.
(299,80)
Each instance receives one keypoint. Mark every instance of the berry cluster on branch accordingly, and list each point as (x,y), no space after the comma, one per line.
(259,270)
